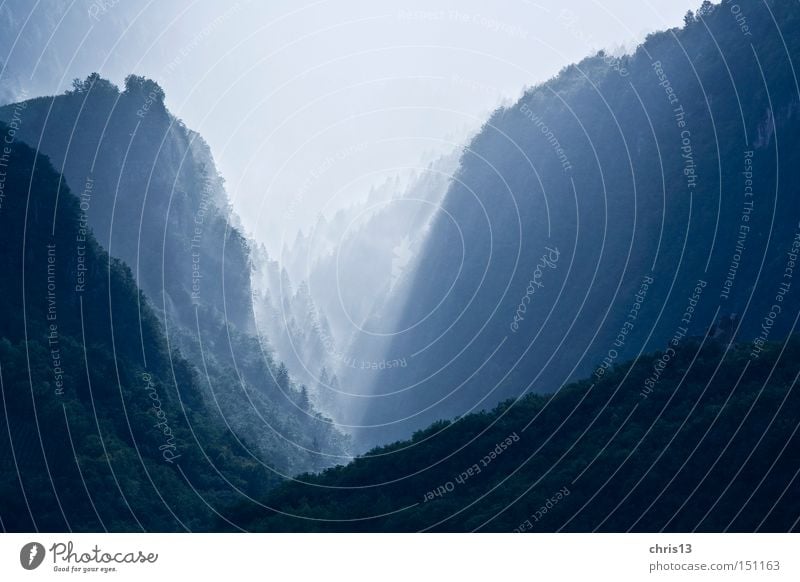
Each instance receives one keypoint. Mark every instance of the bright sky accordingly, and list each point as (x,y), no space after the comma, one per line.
(307,103)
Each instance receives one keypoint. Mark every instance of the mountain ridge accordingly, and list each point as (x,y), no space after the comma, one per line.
(151,194)
(628,176)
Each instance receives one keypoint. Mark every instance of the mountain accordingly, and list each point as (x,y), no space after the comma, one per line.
(104,427)
(329,294)
(625,203)
(709,450)
(150,193)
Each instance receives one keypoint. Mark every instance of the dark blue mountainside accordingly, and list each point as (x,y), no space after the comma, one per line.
(712,450)
(149,194)
(102,426)
(627,204)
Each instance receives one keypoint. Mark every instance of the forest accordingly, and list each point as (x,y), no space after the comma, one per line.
(587,322)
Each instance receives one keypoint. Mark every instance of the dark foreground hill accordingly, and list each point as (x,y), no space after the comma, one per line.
(710,446)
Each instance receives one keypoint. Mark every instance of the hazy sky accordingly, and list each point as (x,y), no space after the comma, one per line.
(306,104)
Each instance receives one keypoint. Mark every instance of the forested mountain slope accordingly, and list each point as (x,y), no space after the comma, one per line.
(621,204)
(149,191)
(710,448)
(103,427)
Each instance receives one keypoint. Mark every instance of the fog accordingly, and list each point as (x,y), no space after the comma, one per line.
(307,105)
(336,126)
